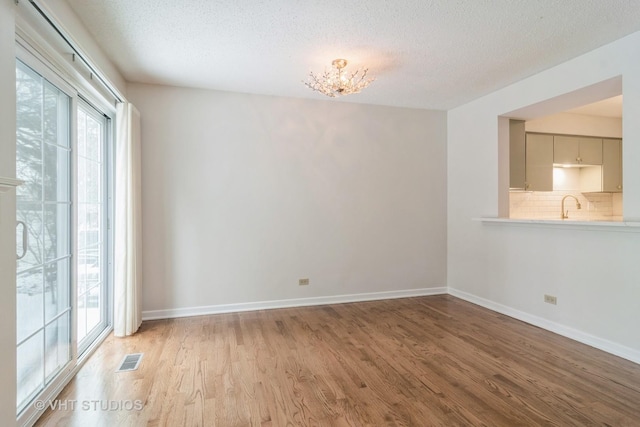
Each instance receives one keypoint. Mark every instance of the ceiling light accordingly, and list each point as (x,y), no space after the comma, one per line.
(338,81)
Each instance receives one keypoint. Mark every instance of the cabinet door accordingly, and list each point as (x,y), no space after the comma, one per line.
(612,165)
(539,162)
(516,154)
(566,150)
(577,150)
(591,151)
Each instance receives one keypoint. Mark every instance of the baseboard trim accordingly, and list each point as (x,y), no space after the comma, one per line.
(288,303)
(558,328)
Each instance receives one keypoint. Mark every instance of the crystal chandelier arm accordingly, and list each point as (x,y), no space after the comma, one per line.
(319,85)
(338,81)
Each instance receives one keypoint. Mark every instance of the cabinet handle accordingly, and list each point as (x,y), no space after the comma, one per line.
(579,159)
(619,187)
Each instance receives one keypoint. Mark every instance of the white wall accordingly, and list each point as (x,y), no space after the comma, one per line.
(7,215)
(245,194)
(594,274)
(576,124)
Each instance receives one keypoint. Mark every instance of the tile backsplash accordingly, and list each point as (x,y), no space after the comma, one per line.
(546,205)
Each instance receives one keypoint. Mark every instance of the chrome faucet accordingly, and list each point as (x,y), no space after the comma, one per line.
(565,214)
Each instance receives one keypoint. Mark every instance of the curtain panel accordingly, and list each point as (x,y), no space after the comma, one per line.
(127,285)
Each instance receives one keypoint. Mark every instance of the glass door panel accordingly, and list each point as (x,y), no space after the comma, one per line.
(44,210)
(92,227)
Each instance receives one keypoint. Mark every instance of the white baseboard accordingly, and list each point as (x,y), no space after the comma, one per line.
(591,340)
(296,302)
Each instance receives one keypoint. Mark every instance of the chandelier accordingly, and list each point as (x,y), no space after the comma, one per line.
(337,81)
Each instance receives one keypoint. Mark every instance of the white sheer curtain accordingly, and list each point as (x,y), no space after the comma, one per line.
(127,292)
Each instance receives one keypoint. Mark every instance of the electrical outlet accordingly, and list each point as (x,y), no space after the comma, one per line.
(550,299)
(303,282)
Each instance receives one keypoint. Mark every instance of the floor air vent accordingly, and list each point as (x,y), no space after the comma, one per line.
(130,362)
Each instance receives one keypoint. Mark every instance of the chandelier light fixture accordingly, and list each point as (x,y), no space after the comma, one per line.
(337,81)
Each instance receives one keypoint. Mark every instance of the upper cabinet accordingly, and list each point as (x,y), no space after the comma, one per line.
(539,162)
(516,154)
(577,150)
(612,165)
(595,163)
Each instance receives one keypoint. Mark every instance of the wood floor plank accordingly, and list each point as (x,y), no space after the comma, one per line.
(418,361)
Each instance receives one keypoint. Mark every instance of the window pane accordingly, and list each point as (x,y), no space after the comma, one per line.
(82,184)
(82,133)
(50,111)
(93,222)
(92,181)
(29,168)
(94,139)
(82,316)
(57,349)
(89,269)
(29,92)
(94,308)
(30,368)
(56,290)
(29,310)
(56,184)
(56,231)
(56,116)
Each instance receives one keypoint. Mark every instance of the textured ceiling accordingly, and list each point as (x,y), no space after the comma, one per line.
(424,53)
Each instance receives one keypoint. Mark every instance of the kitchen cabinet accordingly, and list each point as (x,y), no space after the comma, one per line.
(577,150)
(539,162)
(517,176)
(612,165)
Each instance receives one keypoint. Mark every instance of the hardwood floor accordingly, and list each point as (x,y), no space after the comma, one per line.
(416,361)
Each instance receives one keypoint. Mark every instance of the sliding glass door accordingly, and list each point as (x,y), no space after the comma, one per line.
(62,234)
(44,307)
(92,224)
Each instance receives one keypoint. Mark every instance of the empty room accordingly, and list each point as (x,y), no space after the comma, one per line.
(223,213)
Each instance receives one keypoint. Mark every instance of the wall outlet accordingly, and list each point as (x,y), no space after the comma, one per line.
(303,282)
(550,299)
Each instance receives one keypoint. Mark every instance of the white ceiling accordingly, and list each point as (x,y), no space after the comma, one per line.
(424,53)
(610,107)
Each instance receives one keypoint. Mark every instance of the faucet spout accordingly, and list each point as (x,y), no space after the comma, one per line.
(565,214)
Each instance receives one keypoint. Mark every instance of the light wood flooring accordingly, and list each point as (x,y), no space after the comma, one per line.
(417,361)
